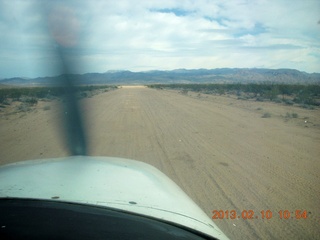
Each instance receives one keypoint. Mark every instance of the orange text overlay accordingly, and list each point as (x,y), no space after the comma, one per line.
(264,214)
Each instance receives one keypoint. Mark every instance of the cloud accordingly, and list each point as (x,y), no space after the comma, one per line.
(150,34)
(176,11)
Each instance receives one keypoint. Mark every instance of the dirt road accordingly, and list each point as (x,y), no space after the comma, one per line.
(218,150)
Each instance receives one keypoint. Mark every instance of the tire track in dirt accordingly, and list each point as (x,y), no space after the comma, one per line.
(194,140)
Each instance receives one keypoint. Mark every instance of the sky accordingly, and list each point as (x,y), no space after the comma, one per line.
(143,35)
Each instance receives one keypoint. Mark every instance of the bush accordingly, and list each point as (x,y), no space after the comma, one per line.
(29,100)
(184,91)
(266,115)
(47,107)
(244,97)
(221,91)
(259,99)
(23,107)
(306,106)
(277,100)
(288,102)
(301,94)
(6,102)
(292,115)
(32,100)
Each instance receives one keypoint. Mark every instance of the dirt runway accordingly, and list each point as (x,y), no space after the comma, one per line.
(219,150)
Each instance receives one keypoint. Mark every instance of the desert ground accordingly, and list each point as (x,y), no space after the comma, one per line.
(218,149)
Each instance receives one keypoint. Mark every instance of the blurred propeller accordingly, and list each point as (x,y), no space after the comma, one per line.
(75,134)
(64,27)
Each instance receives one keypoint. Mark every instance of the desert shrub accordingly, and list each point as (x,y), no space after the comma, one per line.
(292,115)
(245,97)
(221,91)
(259,99)
(288,101)
(32,100)
(267,90)
(306,106)
(271,92)
(31,94)
(47,107)
(2,99)
(23,107)
(6,102)
(184,91)
(28,100)
(266,115)
(277,100)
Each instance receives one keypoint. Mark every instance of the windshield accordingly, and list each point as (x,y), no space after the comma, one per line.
(222,97)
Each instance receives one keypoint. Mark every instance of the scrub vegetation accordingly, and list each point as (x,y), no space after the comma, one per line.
(29,96)
(306,96)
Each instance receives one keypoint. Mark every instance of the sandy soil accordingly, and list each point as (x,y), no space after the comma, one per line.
(219,150)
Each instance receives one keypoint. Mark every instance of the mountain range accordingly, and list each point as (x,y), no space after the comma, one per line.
(218,75)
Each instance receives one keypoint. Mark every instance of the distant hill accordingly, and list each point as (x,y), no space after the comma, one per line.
(218,75)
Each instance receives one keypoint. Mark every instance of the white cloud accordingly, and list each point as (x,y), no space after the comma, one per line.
(145,35)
